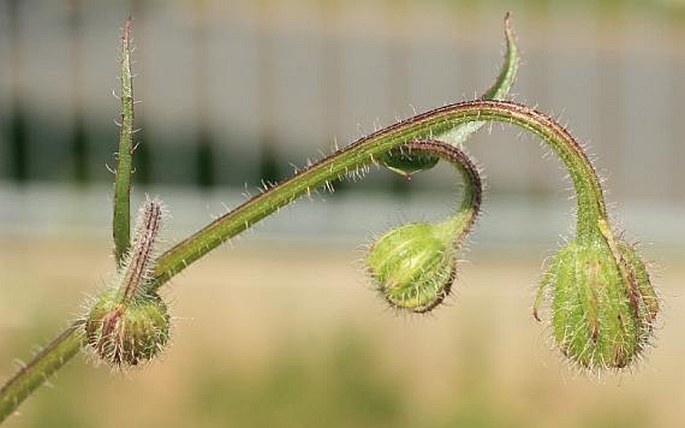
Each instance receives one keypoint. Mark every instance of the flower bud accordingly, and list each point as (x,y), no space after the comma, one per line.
(401,161)
(603,304)
(127,333)
(414,265)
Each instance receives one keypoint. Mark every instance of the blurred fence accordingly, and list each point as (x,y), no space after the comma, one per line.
(237,92)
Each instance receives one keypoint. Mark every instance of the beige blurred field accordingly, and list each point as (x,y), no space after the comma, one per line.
(271,335)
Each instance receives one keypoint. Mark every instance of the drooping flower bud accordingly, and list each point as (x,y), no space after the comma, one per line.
(130,333)
(414,265)
(602,303)
(401,161)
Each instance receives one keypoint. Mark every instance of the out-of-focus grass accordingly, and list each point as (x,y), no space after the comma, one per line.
(292,337)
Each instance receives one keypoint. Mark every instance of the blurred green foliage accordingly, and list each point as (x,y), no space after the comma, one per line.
(344,388)
(345,385)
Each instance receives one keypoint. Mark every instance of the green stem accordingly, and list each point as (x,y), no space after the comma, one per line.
(121,221)
(472,196)
(43,365)
(589,199)
(412,266)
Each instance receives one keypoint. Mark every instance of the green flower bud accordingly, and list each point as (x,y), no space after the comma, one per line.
(603,304)
(414,265)
(403,162)
(126,334)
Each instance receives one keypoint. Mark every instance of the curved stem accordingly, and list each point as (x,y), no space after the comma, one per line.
(412,266)
(473,186)
(589,196)
(363,152)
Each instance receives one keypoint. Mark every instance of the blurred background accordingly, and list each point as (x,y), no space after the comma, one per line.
(280,328)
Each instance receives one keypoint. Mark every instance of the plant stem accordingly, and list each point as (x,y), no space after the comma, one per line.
(472,196)
(589,199)
(43,365)
(473,187)
(121,221)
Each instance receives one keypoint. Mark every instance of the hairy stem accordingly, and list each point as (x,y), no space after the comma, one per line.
(121,221)
(413,266)
(43,365)
(473,187)
(589,199)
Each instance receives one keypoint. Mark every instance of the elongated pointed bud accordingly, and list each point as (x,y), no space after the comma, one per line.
(602,302)
(413,266)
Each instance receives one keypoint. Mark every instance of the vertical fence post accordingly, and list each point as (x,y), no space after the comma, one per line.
(18,128)
(205,167)
(266,69)
(143,165)
(677,90)
(79,140)
(331,35)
